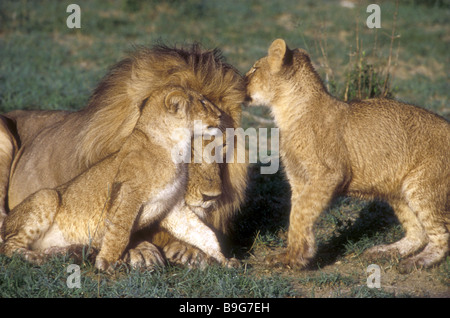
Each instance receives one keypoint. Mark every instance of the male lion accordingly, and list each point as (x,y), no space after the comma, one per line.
(56,146)
(374,148)
(128,190)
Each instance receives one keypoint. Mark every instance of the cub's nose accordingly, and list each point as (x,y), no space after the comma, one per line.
(247,100)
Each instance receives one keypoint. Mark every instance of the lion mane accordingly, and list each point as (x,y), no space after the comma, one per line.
(114,108)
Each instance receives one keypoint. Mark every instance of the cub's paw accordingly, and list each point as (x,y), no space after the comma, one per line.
(36,258)
(285,259)
(104,265)
(429,257)
(33,257)
(182,254)
(381,252)
(144,255)
(232,263)
(393,252)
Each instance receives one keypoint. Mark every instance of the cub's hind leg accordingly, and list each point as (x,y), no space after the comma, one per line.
(414,240)
(28,223)
(431,205)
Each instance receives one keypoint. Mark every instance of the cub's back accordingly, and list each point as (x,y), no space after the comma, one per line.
(397,126)
(386,139)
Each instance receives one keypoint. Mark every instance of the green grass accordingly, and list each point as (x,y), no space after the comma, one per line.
(60,66)
(21,279)
(45,65)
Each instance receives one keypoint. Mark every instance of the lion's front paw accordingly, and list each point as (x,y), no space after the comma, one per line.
(180,253)
(144,255)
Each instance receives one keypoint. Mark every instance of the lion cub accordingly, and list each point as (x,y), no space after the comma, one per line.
(128,190)
(377,148)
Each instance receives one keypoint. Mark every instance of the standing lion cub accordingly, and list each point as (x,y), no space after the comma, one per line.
(377,148)
(128,190)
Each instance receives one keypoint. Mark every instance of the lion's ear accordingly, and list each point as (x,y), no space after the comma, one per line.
(277,51)
(176,101)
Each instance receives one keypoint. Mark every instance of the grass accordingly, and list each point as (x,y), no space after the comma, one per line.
(20,279)
(45,65)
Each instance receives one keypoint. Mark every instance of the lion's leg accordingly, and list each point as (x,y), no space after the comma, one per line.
(28,223)
(185,225)
(414,239)
(7,152)
(174,250)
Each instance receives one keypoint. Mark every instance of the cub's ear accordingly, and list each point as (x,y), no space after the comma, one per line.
(176,101)
(276,55)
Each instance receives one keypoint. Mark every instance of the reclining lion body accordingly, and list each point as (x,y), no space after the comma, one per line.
(56,146)
(126,191)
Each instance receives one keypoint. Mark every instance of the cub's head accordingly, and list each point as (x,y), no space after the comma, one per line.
(192,111)
(276,74)
(174,115)
(176,108)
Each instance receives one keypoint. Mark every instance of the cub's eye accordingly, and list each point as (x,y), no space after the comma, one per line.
(252,70)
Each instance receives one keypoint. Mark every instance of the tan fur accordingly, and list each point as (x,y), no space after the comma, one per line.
(377,148)
(8,149)
(126,191)
(57,146)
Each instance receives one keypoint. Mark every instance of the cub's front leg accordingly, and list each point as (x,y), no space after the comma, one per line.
(121,214)
(307,202)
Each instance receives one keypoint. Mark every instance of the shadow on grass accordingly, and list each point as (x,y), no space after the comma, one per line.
(375,225)
(266,211)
